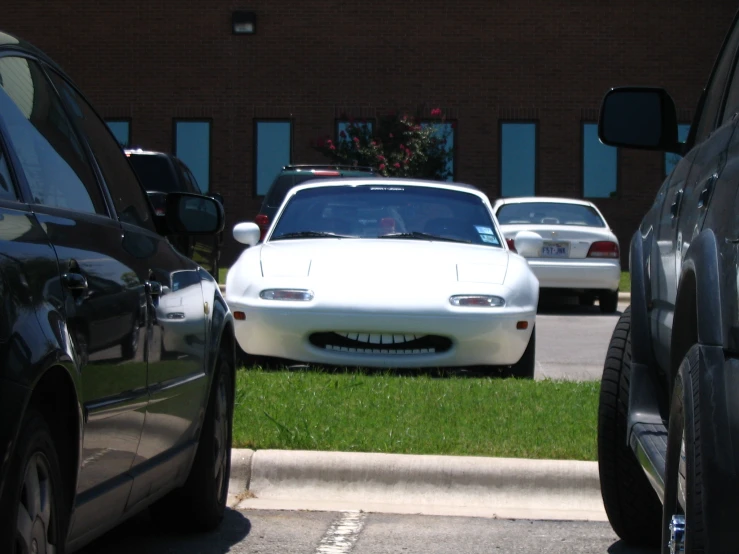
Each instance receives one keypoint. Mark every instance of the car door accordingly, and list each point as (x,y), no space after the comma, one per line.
(101,300)
(175,341)
(691,183)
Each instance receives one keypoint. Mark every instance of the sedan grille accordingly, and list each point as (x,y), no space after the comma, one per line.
(381,343)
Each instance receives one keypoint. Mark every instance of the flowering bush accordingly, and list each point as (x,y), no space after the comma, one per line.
(401,146)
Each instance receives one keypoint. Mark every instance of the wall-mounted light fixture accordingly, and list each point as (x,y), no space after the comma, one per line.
(244,23)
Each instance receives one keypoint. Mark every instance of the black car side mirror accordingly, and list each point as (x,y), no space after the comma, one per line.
(194,214)
(643,118)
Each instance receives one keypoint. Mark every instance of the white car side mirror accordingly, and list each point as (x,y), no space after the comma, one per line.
(247,233)
(528,244)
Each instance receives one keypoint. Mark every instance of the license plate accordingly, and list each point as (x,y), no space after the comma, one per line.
(555,250)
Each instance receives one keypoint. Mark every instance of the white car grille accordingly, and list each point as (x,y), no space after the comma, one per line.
(381,343)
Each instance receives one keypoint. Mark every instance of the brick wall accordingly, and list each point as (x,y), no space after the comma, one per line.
(479,60)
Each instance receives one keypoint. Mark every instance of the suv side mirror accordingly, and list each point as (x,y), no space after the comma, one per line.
(194,214)
(639,117)
(218,197)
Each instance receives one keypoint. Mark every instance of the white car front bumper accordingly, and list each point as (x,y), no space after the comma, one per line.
(383,338)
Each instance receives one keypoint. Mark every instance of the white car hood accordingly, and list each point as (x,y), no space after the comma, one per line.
(391,260)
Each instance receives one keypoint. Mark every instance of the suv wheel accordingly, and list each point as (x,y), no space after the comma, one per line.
(33,513)
(684,473)
(631,504)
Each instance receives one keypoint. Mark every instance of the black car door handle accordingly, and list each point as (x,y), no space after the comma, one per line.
(675,206)
(706,192)
(74,281)
(153,288)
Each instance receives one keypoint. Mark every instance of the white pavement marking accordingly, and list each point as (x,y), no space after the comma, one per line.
(343,533)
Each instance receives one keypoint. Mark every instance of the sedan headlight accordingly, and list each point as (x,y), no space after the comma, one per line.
(477,301)
(300,295)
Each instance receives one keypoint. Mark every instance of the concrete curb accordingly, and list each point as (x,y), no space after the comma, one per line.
(396,483)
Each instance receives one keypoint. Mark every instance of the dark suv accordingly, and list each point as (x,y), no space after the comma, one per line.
(161,173)
(668,424)
(116,352)
(292,175)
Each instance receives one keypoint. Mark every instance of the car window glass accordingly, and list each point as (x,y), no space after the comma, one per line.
(191,179)
(7,190)
(129,199)
(51,155)
(154,171)
(548,213)
(716,88)
(732,96)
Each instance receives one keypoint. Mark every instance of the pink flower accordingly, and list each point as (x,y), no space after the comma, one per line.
(381,158)
(396,164)
(342,134)
(402,147)
(356,140)
(374,143)
(407,151)
(329,141)
(436,111)
(382,166)
(331,147)
(391,135)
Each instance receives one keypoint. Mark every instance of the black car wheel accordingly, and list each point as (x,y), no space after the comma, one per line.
(33,514)
(200,503)
(631,503)
(682,522)
(608,301)
(130,343)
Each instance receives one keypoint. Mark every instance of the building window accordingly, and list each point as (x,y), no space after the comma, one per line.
(445,133)
(273,151)
(342,125)
(672,159)
(599,164)
(518,158)
(192,146)
(121,129)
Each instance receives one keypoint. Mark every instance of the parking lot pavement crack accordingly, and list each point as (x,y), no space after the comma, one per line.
(342,534)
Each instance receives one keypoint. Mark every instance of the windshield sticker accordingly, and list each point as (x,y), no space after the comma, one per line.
(484,230)
(387,188)
(491,239)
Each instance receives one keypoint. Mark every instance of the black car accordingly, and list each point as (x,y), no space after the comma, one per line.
(292,175)
(116,351)
(161,173)
(668,426)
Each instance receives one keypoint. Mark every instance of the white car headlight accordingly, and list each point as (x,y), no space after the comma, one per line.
(477,301)
(300,295)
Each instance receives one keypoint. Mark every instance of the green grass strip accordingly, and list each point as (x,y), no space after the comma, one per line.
(358,412)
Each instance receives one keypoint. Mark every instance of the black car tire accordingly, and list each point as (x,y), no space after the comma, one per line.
(608,301)
(130,343)
(34,478)
(200,503)
(682,466)
(632,505)
(526,366)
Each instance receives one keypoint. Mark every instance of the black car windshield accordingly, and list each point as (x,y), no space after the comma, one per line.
(549,213)
(398,211)
(155,172)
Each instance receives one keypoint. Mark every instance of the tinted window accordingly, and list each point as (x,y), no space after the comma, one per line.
(51,155)
(191,184)
(192,146)
(121,130)
(129,200)
(283,184)
(7,190)
(371,212)
(599,165)
(273,151)
(518,159)
(548,213)
(155,172)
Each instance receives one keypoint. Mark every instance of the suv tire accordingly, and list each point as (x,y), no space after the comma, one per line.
(526,366)
(632,505)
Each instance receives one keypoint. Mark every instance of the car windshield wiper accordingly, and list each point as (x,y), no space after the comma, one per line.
(416,235)
(310,235)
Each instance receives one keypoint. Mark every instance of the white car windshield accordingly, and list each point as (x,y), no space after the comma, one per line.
(387,211)
(549,213)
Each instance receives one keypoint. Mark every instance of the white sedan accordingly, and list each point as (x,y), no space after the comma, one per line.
(384,273)
(572,249)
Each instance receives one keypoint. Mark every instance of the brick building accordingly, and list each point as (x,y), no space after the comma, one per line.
(522,82)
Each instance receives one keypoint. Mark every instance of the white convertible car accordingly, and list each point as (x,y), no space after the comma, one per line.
(385,273)
(572,247)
